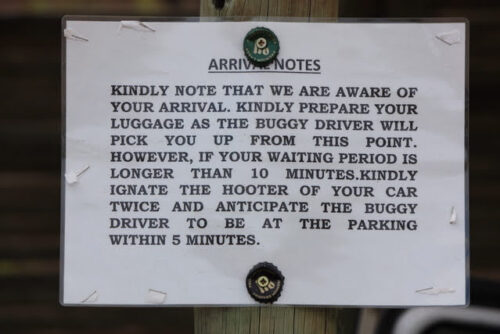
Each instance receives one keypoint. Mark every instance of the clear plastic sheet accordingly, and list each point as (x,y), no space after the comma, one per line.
(93,287)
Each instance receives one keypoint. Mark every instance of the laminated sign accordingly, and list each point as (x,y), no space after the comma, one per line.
(248,162)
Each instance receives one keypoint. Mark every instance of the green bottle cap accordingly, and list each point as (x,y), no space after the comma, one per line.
(261,46)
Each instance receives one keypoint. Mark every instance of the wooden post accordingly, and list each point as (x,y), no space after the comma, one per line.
(298,8)
(272,319)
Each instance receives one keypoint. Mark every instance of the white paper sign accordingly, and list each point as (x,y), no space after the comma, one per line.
(342,163)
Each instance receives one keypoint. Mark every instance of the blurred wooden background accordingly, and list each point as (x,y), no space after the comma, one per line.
(30,155)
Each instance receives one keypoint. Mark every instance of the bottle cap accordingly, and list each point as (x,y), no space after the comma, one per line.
(261,46)
(265,282)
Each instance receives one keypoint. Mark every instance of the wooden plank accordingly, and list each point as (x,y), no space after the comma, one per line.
(270,319)
(227,320)
(37,144)
(290,8)
(278,320)
(274,319)
(29,191)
